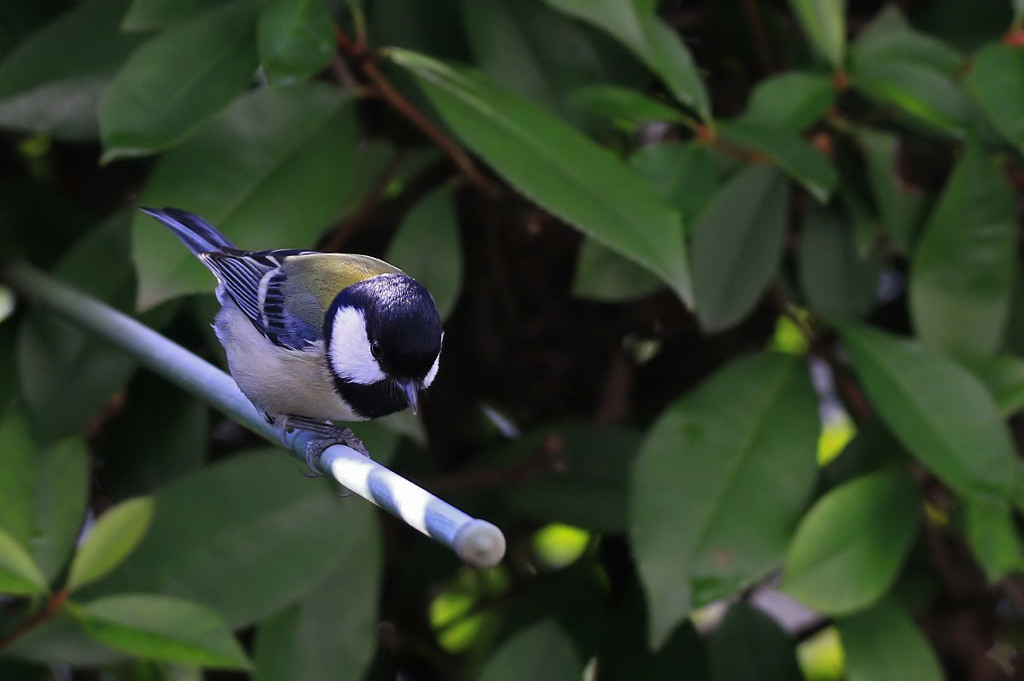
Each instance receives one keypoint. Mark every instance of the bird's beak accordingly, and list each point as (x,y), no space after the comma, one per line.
(412,394)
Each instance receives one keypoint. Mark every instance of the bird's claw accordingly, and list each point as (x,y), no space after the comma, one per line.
(327,434)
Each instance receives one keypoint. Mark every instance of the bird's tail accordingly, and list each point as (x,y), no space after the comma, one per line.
(196,233)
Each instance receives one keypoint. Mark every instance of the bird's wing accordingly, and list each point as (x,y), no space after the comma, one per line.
(255,283)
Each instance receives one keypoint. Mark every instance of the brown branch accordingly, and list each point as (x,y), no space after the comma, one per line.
(764,49)
(547,458)
(51,608)
(365,210)
(398,102)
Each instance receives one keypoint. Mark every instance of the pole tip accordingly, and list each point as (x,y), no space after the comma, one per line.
(480,544)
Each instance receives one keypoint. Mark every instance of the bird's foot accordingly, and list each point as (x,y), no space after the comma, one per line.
(326,434)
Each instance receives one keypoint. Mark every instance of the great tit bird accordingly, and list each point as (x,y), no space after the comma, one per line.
(313,338)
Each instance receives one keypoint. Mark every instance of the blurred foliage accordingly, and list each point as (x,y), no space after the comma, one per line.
(734,318)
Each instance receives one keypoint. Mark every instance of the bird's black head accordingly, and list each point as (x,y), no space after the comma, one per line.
(383,343)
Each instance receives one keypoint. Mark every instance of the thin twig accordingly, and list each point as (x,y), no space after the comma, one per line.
(52,606)
(367,207)
(764,49)
(366,61)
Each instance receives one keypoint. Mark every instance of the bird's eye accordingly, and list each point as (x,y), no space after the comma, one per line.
(375,349)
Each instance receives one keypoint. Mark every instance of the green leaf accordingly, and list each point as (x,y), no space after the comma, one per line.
(795,155)
(252,515)
(533,51)
(427,247)
(19,574)
(177,80)
(603,274)
(44,493)
(557,167)
(149,15)
(161,628)
(67,374)
(543,652)
(941,413)
(897,66)
(589,490)
(838,283)
(652,40)
(996,83)
(686,174)
(898,209)
(740,446)
(750,645)
(171,426)
(737,246)
(850,546)
(623,104)
(296,39)
(882,644)
(52,81)
(992,536)
(332,632)
(793,100)
(889,37)
(824,22)
(114,536)
(687,177)
(271,172)
(1003,376)
(962,269)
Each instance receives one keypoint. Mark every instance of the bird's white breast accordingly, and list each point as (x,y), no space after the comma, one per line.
(275,379)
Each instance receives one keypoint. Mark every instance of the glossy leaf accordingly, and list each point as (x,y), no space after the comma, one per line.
(652,40)
(147,15)
(255,515)
(737,246)
(532,50)
(623,104)
(589,490)
(996,83)
(897,66)
(67,374)
(838,283)
(941,413)
(111,539)
(19,574)
(161,628)
(171,426)
(825,24)
(898,209)
(295,38)
(603,274)
(557,167)
(992,536)
(542,652)
(427,247)
(962,269)
(883,644)
(51,83)
(793,154)
(750,645)
(332,632)
(794,100)
(43,491)
(1003,376)
(740,446)
(270,172)
(178,80)
(686,174)
(850,546)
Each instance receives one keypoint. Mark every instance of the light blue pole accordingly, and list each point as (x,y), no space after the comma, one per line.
(477,542)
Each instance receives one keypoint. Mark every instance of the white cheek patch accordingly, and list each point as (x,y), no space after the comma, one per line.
(432,373)
(350,355)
